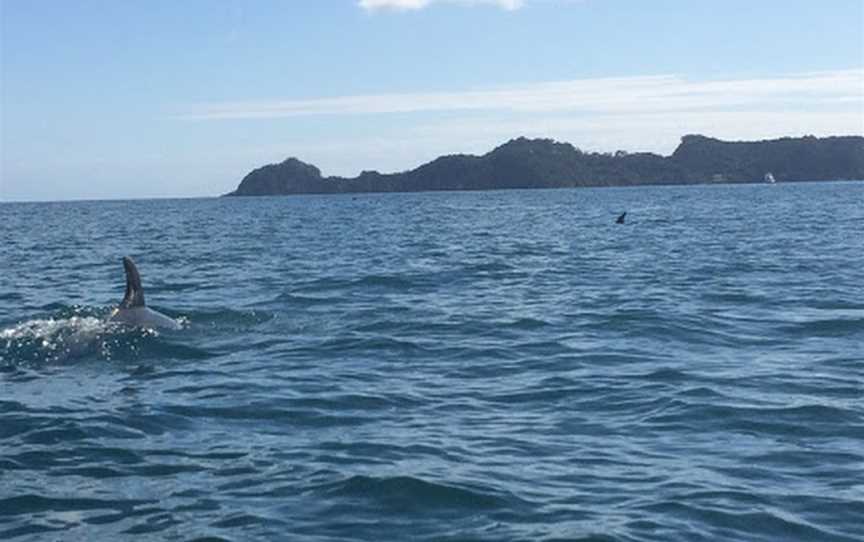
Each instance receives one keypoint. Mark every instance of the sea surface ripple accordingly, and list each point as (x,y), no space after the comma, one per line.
(439,366)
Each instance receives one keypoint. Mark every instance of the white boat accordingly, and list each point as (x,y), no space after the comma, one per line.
(769,178)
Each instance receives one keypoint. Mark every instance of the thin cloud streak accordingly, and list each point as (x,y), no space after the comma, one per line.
(405,5)
(622,95)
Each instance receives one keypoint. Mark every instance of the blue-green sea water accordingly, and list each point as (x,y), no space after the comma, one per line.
(439,366)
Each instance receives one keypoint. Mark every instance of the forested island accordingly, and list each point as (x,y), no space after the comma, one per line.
(544,163)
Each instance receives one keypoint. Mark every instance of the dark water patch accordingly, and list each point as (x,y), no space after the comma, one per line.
(792,422)
(144,373)
(547,395)
(62,310)
(203,456)
(37,460)
(59,432)
(854,362)
(63,460)
(93,473)
(164,350)
(816,459)
(243,520)
(8,464)
(142,425)
(222,389)
(235,471)
(165,469)
(396,282)
(31,529)
(360,344)
(388,326)
(739,298)
(401,493)
(836,327)
(200,505)
(487,269)
(153,524)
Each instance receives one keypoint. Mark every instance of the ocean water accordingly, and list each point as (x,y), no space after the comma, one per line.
(439,366)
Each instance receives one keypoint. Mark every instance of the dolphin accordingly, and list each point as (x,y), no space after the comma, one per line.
(620,219)
(132,311)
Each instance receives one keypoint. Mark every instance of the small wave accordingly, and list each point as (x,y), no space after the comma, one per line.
(393,281)
(407,492)
(263,414)
(373,344)
(489,268)
(527,323)
(295,299)
(226,318)
(813,419)
(742,522)
(335,284)
(703,393)
(30,504)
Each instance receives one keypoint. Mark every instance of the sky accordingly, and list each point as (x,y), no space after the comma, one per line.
(107,99)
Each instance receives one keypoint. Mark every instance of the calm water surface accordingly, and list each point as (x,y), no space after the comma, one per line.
(439,366)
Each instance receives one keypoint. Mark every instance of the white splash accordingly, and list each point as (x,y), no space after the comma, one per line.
(58,339)
(47,328)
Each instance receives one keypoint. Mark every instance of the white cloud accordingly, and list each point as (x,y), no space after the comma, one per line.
(372,5)
(621,95)
(393,4)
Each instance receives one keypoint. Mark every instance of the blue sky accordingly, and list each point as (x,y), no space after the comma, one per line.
(106,99)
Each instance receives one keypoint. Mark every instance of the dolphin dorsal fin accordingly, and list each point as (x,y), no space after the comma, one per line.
(134,292)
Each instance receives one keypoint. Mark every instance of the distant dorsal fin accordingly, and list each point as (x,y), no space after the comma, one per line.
(134,292)
(621,218)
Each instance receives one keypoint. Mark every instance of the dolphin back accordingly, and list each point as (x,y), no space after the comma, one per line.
(132,310)
(144,317)
(134,292)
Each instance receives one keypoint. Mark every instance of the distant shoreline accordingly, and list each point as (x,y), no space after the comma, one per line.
(543,163)
(347,194)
